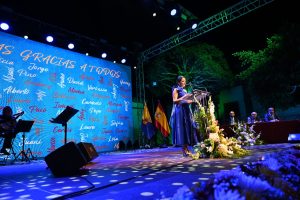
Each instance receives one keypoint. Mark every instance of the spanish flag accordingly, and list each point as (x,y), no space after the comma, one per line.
(161,122)
(147,127)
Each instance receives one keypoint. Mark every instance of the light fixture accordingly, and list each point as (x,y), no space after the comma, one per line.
(26,37)
(194,25)
(49,38)
(154,14)
(123,60)
(86,54)
(4,26)
(134,67)
(173,9)
(173,12)
(71,46)
(178,28)
(104,55)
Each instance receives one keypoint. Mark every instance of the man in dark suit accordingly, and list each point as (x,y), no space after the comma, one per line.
(233,120)
(271,116)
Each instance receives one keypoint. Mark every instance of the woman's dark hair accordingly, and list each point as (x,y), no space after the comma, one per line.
(179,78)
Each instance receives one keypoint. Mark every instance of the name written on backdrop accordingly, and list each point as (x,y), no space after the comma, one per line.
(43,80)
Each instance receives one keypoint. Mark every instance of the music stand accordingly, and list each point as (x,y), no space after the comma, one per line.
(64,117)
(24,126)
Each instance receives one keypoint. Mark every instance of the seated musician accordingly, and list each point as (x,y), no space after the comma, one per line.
(7,125)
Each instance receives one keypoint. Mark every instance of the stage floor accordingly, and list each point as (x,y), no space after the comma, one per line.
(138,174)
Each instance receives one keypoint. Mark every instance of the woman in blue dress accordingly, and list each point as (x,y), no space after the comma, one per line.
(181,120)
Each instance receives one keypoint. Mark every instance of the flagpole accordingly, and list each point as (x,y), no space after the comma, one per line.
(144,93)
(163,145)
(143,135)
(161,123)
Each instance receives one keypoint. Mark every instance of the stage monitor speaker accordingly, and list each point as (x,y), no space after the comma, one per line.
(294,137)
(66,160)
(88,150)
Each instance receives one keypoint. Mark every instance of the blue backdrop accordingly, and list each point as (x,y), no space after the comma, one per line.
(42,80)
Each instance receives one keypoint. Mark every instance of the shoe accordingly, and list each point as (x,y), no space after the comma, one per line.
(4,152)
(185,151)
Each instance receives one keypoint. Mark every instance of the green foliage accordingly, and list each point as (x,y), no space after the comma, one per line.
(202,64)
(214,144)
(256,60)
(273,73)
(200,118)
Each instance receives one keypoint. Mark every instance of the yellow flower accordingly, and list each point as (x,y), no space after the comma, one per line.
(223,140)
(222,150)
(214,136)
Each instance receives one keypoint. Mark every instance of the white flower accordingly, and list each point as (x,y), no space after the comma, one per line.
(230,152)
(183,193)
(272,163)
(209,149)
(243,133)
(222,194)
(251,128)
(214,136)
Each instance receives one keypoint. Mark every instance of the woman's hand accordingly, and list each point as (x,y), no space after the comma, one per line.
(187,95)
(189,101)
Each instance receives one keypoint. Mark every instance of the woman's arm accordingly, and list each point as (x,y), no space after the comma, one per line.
(179,100)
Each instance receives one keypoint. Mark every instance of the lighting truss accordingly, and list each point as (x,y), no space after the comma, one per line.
(205,26)
(215,21)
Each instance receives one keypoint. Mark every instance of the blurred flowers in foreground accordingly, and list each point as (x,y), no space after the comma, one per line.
(276,176)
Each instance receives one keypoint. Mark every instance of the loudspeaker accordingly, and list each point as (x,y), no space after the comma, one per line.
(88,150)
(66,160)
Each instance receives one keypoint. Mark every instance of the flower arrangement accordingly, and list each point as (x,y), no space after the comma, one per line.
(214,144)
(246,135)
(275,176)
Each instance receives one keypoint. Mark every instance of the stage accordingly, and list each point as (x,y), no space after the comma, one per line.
(137,174)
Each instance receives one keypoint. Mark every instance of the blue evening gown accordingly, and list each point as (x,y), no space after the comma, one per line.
(181,122)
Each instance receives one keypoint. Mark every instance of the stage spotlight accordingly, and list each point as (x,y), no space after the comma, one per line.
(178,28)
(114,61)
(104,55)
(49,38)
(4,26)
(173,12)
(134,67)
(86,54)
(71,46)
(26,37)
(123,60)
(194,25)
(154,14)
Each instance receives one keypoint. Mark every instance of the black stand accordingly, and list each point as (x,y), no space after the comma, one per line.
(24,126)
(64,117)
